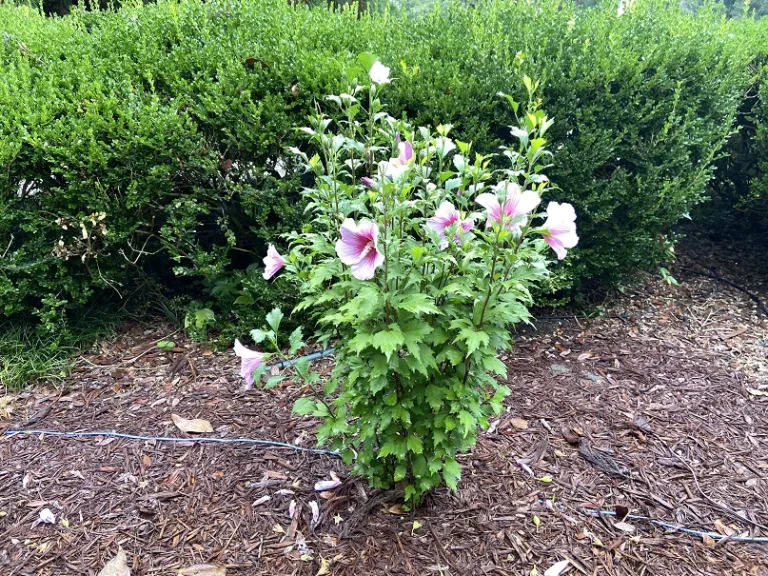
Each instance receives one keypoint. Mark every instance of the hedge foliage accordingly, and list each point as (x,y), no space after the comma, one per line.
(739,203)
(149,143)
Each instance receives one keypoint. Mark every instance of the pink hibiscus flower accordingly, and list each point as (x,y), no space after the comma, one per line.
(396,166)
(273,262)
(518,203)
(445,216)
(249,361)
(560,228)
(358,248)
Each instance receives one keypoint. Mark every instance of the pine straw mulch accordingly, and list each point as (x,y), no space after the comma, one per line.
(661,411)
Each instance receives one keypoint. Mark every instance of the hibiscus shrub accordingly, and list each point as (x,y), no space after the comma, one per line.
(415,268)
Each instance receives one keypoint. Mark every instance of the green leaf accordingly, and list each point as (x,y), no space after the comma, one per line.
(380,366)
(389,341)
(295,341)
(438,437)
(365,304)
(400,472)
(273,381)
(319,275)
(320,410)
(451,473)
(473,338)
(414,444)
(451,355)
(419,465)
(413,334)
(378,384)
(203,317)
(417,304)
(259,335)
(366,60)
(244,299)
(467,421)
(304,406)
(434,395)
(329,386)
(360,342)
(458,289)
(274,318)
(493,364)
(388,448)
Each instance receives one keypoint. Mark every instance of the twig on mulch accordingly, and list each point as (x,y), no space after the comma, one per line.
(602,460)
(383,497)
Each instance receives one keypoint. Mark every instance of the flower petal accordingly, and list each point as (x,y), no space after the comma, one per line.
(273,262)
(561,212)
(369,230)
(445,215)
(366,267)
(406,152)
(351,244)
(249,361)
(560,228)
(244,352)
(527,202)
(491,203)
(379,73)
(557,246)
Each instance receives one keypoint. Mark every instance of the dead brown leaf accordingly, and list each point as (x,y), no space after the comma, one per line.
(723,529)
(397,509)
(519,423)
(196,426)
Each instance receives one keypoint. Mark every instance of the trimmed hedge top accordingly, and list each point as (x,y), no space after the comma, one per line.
(150,141)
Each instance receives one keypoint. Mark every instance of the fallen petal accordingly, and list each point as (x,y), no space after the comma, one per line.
(315,507)
(324,485)
(118,566)
(47,517)
(557,569)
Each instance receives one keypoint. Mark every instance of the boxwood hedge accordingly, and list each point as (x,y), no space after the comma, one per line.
(149,143)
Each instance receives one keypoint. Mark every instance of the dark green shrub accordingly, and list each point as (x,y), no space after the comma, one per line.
(168,119)
(739,190)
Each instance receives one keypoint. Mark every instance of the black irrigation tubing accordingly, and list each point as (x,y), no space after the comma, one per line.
(678,528)
(271,443)
(713,274)
(172,439)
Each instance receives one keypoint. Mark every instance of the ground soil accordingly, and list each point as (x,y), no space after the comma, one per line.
(659,408)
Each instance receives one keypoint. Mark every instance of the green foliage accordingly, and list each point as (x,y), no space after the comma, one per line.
(149,143)
(740,188)
(27,356)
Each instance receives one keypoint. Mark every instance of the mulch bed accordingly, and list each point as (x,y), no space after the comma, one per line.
(659,409)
